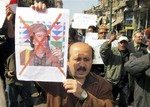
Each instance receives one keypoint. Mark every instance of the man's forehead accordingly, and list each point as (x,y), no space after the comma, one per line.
(81,54)
(81,51)
(138,34)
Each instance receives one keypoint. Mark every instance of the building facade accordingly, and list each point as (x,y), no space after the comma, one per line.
(123,14)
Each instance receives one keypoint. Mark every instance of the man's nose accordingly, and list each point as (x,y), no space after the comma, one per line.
(82,63)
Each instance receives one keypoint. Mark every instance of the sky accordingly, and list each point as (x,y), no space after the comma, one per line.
(78,6)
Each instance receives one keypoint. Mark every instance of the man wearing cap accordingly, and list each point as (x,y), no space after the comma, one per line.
(114,59)
(44,55)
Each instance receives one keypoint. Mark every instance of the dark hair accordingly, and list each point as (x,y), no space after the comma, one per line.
(73,34)
(93,27)
(72,44)
(138,31)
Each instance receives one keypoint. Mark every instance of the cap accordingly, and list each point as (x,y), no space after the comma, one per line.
(123,38)
(38,27)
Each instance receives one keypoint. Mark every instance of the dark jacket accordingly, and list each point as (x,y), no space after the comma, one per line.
(6,49)
(10,65)
(99,94)
(142,51)
(139,68)
(132,49)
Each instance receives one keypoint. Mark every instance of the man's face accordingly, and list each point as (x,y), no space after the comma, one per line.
(90,30)
(39,36)
(102,34)
(122,46)
(138,37)
(80,60)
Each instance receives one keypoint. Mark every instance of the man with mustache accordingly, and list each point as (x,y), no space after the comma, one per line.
(82,87)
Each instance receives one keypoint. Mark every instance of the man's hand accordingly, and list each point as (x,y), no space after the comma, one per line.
(9,13)
(41,7)
(10,74)
(74,87)
(9,17)
(112,37)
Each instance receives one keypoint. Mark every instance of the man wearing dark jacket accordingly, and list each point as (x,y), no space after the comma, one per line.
(135,46)
(82,88)
(139,68)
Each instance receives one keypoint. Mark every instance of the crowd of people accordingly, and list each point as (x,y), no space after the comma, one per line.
(126,69)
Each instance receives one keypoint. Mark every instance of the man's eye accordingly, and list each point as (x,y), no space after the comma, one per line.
(86,59)
(77,59)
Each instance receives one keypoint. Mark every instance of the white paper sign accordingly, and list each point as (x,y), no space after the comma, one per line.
(83,21)
(92,40)
(3,3)
(47,68)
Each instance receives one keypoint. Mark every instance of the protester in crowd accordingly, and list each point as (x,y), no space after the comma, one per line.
(81,88)
(135,46)
(102,33)
(139,68)
(16,87)
(99,68)
(92,29)
(73,36)
(7,47)
(114,59)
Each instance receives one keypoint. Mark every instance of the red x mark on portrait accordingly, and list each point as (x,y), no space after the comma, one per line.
(40,45)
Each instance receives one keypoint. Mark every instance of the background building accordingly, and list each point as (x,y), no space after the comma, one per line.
(123,14)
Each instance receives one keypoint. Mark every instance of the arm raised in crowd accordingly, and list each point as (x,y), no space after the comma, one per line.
(9,17)
(105,49)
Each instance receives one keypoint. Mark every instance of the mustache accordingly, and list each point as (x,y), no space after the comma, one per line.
(81,68)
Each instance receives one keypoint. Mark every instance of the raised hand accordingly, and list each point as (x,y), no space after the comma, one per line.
(39,6)
(9,13)
(112,37)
